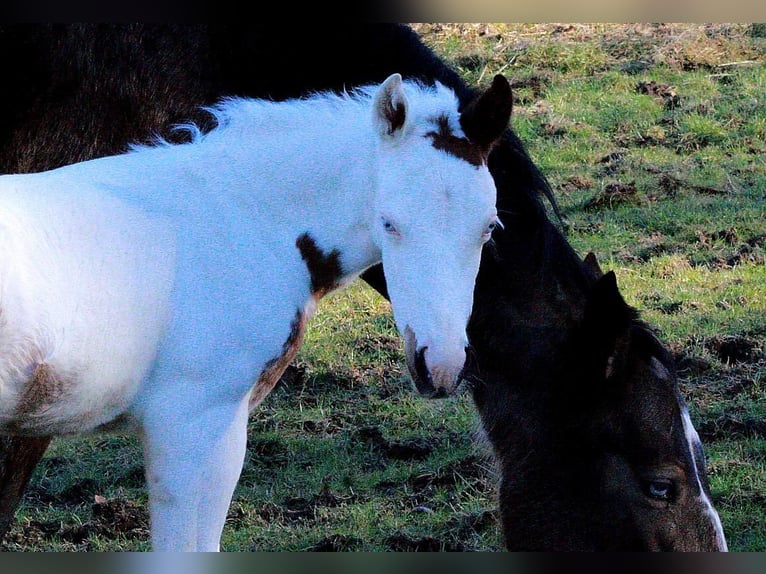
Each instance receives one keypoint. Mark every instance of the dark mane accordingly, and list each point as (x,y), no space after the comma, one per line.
(648,343)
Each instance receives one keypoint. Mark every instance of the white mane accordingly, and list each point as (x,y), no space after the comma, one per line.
(248,117)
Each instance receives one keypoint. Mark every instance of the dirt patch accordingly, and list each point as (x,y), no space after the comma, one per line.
(79,493)
(575,183)
(651,246)
(611,163)
(413,449)
(671,307)
(301,509)
(612,195)
(751,251)
(536,84)
(728,236)
(731,426)
(120,516)
(472,61)
(735,349)
(667,94)
(553,128)
(690,366)
(738,386)
(670,185)
(704,379)
(298,508)
(110,519)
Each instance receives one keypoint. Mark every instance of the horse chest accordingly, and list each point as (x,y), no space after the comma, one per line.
(262,306)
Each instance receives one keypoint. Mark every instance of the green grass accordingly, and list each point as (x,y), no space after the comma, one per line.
(688,246)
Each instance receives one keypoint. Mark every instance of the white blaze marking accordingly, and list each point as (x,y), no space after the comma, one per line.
(693,439)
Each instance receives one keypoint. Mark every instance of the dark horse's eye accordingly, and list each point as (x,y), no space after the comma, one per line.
(660,489)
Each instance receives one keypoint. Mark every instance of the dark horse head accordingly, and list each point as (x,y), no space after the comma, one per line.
(578,398)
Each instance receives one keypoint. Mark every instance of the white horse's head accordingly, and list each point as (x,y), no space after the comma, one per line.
(434,210)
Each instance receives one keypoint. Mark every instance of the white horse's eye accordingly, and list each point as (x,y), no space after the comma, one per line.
(389,227)
(494,224)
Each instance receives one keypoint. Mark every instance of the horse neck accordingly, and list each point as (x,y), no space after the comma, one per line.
(531,268)
(311,174)
(543,285)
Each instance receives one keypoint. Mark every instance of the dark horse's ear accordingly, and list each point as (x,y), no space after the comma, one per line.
(486,117)
(591,264)
(606,323)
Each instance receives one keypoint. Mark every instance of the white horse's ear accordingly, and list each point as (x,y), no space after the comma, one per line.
(390,106)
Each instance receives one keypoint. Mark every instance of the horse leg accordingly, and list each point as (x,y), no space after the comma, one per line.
(224,470)
(183,450)
(18,458)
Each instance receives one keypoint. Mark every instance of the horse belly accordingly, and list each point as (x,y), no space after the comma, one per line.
(84,302)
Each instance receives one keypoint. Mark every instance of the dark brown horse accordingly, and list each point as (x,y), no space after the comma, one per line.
(580,402)
(578,398)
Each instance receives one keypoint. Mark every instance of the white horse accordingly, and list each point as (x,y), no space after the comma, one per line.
(166,289)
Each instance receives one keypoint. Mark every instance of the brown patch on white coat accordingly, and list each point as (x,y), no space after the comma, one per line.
(273,370)
(45,390)
(324,271)
(483,122)
(444,139)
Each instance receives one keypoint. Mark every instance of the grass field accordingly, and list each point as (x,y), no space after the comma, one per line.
(653,137)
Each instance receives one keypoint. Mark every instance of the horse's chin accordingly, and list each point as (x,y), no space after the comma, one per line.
(429,388)
(431,382)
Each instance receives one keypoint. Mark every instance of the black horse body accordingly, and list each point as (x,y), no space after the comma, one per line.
(76,92)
